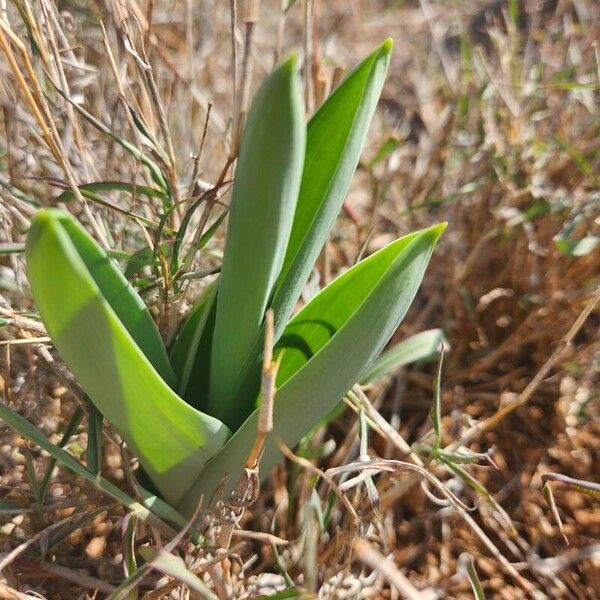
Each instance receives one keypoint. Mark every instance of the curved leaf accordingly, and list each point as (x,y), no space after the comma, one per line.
(335,136)
(92,317)
(329,345)
(263,201)
(118,292)
(328,312)
(421,346)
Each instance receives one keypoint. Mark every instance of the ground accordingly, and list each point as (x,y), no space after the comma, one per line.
(489,120)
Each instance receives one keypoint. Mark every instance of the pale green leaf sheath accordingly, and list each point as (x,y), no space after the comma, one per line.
(103,332)
(263,202)
(335,137)
(328,345)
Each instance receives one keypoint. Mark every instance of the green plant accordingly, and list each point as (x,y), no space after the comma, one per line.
(190,415)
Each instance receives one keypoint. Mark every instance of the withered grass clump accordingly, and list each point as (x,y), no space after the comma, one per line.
(489,120)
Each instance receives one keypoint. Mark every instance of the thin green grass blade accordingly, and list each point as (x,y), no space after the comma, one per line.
(384,151)
(9,508)
(128,529)
(474,579)
(114,186)
(263,202)
(10,248)
(130,587)
(204,238)
(155,171)
(34,484)
(70,430)
(328,346)
(589,488)
(436,408)
(85,518)
(145,257)
(210,232)
(93,197)
(17,193)
(172,565)
(335,136)
(419,347)
(86,309)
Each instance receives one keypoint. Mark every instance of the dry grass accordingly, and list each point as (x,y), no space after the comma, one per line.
(492,110)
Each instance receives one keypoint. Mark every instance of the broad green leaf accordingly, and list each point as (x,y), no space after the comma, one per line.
(263,202)
(102,332)
(421,346)
(322,318)
(328,346)
(114,287)
(335,137)
(186,354)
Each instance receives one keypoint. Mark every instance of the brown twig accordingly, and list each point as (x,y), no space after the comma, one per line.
(267,394)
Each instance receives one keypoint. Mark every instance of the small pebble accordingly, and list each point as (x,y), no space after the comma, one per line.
(96,547)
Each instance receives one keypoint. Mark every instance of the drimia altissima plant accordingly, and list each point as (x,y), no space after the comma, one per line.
(189,413)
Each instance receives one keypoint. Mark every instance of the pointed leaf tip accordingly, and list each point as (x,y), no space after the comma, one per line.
(290,63)
(387,46)
(439,229)
(335,137)
(42,216)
